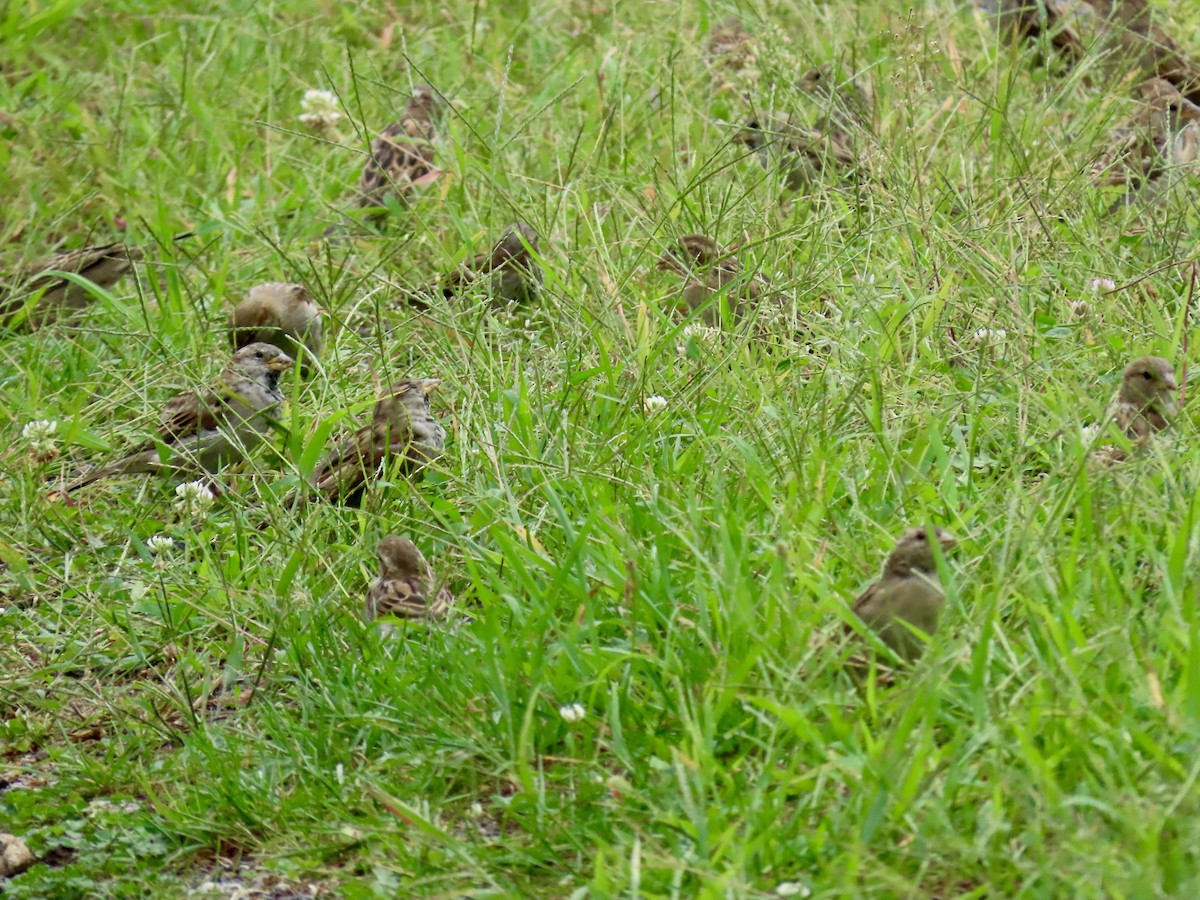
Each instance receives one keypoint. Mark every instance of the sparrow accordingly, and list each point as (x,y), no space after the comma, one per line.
(844,103)
(104,266)
(708,269)
(514,270)
(402,427)
(1163,133)
(731,47)
(207,431)
(402,155)
(803,152)
(281,314)
(1145,401)
(406,587)
(907,592)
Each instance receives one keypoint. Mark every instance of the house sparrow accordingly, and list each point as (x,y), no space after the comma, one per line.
(405,588)
(402,426)
(281,314)
(402,155)
(908,592)
(206,432)
(709,269)
(1145,402)
(1163,133)
(515,273)
(103,266)
(803,152)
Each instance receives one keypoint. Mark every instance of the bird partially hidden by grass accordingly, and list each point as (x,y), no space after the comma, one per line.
(511,265)
(402,156)
(908,595)
(207,431)
(102,265)
(708,269)
(1143,406)
(402,431)
(406,587)
(281,314)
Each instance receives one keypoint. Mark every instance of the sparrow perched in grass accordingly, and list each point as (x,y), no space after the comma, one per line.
(405,588)
(515,273)
(1145,401)
(103,266)
(402,428)
(402,155)
(708,269)
(803,152)
(908,592)
(207,431)
(1163,133)
(281,314)
(731,47)
(844,103)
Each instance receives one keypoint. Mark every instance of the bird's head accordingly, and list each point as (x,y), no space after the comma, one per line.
(425,103)
(261,362)
(398,556)
(410,396)
(513,242)
(1149,382)
(914,552)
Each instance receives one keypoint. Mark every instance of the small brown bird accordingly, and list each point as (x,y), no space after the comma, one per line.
(402,427)
(209,431)
(708,269)
(281,314)
(402,155)
(406,587)
(515,273)
(908,592)
(1145,401)
(731,48)
(103,266)
(844,103)
(1164,133)
(804,153)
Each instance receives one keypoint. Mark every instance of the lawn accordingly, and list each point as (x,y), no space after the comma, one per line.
(645,693)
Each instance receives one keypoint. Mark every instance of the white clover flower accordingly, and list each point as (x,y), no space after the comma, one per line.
(193,497)
(791,889)
(572,713)
(653,404)
(321,111)
(701,334)
(159,544)
(41,437)
(986,335)
(1102,284)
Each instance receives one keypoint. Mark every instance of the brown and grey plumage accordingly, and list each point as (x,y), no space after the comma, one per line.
(208,431)
(1133,42)
(402,155)
(1163,133)
(708,269)
(406,587)
(281,314)
(402,428)
(1145,401)
(843,103)
(104,266)
(511,263)
(731,48)
(907,592)
(803,153)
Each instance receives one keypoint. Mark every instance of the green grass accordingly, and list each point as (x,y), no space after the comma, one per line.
(683,576)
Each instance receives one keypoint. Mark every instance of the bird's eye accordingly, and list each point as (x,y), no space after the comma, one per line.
(1147,376)
(258,354)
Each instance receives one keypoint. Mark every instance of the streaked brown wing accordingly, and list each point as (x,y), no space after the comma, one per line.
(189,414)
(399,597)
(344,472)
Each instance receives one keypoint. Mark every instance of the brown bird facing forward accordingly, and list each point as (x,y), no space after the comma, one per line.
(708,269)
(908,593)
(210,430)
(405,588)
(104,266)
(1145,401)
(281,314)
(402,155)
(1163,133)
(515,273)
(402,428)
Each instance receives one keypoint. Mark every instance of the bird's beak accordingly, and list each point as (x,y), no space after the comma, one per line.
(281,363)
(946,540)
(429,385)
(1170,381)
